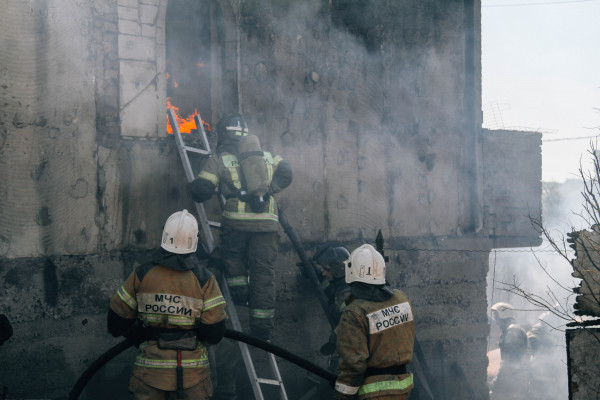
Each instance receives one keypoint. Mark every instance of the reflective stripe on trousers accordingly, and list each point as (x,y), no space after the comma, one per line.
(386,385)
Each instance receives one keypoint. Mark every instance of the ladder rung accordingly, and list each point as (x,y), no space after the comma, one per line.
(268,381)
(196,150)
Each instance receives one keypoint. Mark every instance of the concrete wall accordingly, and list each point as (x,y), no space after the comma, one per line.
(583,350)
(512,187)
(583,338)
(377,110)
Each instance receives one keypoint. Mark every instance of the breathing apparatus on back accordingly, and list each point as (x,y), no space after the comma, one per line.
(254,175)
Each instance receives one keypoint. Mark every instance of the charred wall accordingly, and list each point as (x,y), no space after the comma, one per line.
(375,104)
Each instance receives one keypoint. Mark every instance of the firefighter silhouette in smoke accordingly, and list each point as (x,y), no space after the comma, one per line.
(547,370)
(170,307)
(330,256)
(376,333)
(247,177)
(513,377)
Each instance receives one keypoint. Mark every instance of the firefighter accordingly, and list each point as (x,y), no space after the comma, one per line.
(503,314)
(170,307)
(6,330)
(330,257)
(513,376)
(247,177)
(512,381)
(376,333)
(546,350)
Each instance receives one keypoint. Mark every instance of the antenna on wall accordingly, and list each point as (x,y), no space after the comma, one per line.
(379,246)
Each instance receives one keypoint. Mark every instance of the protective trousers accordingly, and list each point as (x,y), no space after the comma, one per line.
(142,391)
(227,363)
(247,259)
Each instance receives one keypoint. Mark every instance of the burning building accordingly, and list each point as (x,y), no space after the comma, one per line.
(377,106)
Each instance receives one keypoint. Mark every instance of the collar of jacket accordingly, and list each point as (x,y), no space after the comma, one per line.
(178,262)
(377,293)
(228,145)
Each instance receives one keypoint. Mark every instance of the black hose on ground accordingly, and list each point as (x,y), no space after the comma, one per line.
(229,333)
(96,365)
(281,352)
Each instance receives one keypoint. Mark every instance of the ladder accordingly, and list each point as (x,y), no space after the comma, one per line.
(209,245)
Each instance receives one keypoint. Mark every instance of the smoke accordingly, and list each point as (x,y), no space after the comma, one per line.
(546,275)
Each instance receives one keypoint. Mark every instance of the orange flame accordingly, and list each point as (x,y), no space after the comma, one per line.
(187,124)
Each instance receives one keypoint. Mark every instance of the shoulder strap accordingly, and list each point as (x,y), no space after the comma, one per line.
(202,274)
(143,269)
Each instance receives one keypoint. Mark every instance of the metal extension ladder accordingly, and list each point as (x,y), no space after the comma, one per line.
(209,245)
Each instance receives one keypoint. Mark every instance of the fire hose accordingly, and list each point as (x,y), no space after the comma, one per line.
(308,268)
(229,333)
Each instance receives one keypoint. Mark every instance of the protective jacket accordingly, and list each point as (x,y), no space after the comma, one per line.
(171,294)
(336,291)
(224,171)
(375,341)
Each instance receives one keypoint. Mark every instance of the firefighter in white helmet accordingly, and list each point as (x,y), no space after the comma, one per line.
(376,333)
(170,307)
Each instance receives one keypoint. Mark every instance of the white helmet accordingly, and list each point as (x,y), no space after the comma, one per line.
(180,234)
(365,265)
(503,310)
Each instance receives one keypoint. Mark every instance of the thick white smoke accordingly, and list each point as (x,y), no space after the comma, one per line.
(544,274)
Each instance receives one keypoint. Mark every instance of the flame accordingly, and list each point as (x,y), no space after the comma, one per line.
(187,124)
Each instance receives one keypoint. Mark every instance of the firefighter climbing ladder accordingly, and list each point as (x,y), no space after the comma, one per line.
(209,246)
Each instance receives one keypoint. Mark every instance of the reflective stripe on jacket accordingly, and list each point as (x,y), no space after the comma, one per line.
(375,335)
(165,298)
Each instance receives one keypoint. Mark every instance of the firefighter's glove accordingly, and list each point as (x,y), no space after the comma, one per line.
(136,333)
(328,348)
(6,330)
(258,204)
(302,270)
(211,333)
(201,189)
(332,384)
